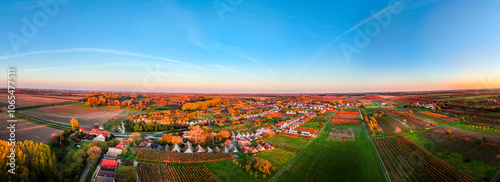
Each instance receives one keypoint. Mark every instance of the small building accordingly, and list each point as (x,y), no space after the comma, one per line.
(106,173)
(108,164)
(120,145)
(199,149)
(209,150)
(216,150)
(99,138)
(267,146)
(244,143)
(176,148)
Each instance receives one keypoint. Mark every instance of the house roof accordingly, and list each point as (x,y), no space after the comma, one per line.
(199,149)
(104,179)
(268,147)
(216,150)
(120,144)
(176,148)
(108,163)
(106,173)
(209,150)
(244,150)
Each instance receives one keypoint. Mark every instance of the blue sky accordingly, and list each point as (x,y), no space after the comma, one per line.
(252,46)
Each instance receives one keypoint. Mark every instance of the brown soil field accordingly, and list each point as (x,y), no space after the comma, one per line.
(86,116)
(26,130)
(30,100)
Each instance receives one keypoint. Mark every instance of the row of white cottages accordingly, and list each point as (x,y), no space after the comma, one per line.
(188,148)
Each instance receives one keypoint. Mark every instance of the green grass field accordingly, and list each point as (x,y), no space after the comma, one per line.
(475,168)
(313,125)
(336,161)
(228,171)
(289,141)
(470,128)
(279,162)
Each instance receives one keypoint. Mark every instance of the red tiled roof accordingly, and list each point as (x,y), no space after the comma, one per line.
(95,131)
(108,163)
(119,146)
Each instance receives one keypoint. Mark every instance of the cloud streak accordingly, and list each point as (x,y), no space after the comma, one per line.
(361,23)
(97,50)
(236,71)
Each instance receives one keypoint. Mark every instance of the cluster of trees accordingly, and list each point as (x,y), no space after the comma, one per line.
(169,139)
(76,160)
(200,105)
(61,139)
(258,167)
(116,100)
(373,125)
(222,135)
(130,126)
(199,134)
(33,162)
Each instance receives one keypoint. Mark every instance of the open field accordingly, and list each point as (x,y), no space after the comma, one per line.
(26,130)
(228,171)
(406,161)
(23,100)
(482,146)
(479,170)
(86,116)
(285,142)
(327,160)
(351,117)
(164,172)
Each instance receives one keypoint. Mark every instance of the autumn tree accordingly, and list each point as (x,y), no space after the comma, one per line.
(197,134)
(410,111)
(222,135)
(166,138)
(320,125)
(448,132)
(268,134)
(54,138)
(74,124)
(226,143)
(33,161)
(191,116)
(94,154)
(176,139)
(263,166)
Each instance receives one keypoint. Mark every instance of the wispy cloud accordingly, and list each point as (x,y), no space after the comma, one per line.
(97,50)
(236,71)
(219,47)
(188,20)
(78,67)
(361,23)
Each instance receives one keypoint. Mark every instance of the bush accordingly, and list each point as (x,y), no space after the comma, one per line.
(448,132)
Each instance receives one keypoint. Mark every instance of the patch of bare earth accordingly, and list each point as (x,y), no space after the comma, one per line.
(26,130)
(86,116)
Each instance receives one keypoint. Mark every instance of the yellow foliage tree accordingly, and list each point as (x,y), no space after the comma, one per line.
(74,124)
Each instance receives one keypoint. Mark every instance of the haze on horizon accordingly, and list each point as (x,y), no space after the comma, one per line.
(246,46)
